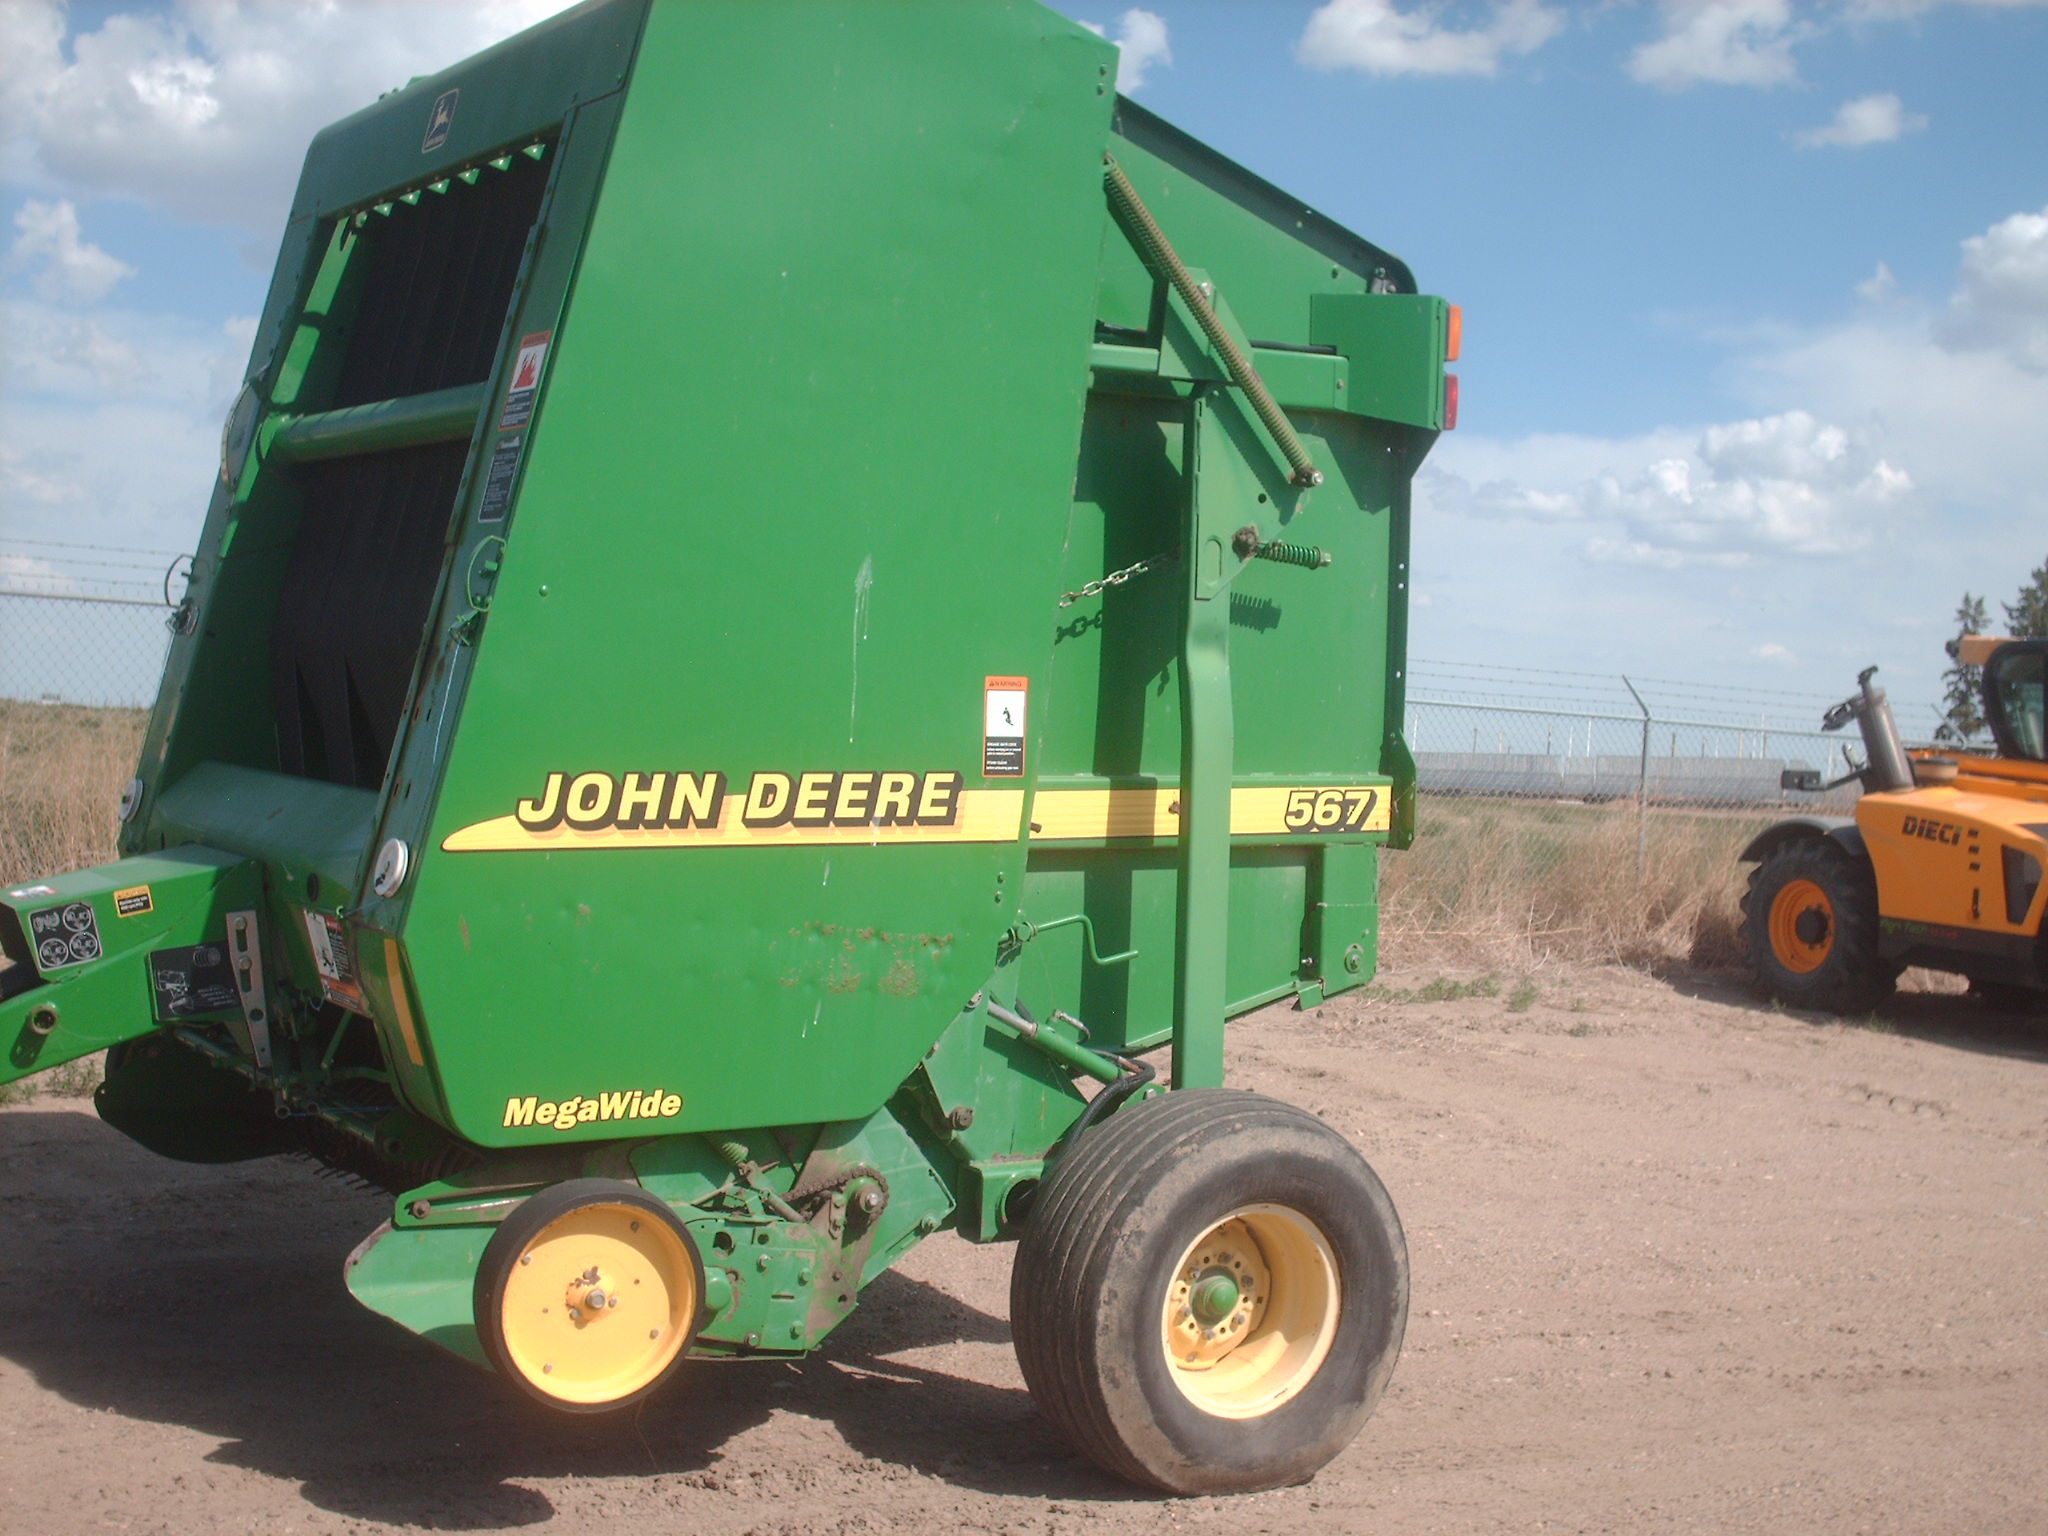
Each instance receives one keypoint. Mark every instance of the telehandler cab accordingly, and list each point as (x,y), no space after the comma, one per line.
(1940,866)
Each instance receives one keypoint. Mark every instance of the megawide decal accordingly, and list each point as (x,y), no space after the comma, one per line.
(580,1109)
(596,809)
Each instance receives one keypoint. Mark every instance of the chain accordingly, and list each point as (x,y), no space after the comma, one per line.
(1115,579)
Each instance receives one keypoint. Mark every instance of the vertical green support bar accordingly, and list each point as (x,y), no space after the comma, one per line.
(1208,748)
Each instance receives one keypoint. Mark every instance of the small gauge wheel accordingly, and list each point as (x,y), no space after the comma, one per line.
(589,1294)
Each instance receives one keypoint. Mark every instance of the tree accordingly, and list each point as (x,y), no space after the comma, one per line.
(2026,617)
(1962,719)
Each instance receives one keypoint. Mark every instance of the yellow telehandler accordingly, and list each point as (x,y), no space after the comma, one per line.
(1940,866)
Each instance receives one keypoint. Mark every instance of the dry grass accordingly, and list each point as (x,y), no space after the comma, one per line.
(61,773)
(1518,883)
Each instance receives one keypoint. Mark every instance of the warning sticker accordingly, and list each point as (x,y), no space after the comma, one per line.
(133,902)
(504,470)
(66,935)
(331,957)
(1002,732)
(526,371)
(30,892)
(194,980)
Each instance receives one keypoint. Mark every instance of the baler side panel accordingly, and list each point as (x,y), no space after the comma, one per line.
(830,431)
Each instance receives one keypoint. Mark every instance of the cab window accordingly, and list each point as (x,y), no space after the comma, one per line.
(2018,695)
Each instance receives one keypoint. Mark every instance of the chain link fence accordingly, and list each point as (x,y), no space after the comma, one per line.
(1576,816)
(101,652)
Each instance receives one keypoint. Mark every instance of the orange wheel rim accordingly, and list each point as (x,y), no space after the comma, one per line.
(1802,926)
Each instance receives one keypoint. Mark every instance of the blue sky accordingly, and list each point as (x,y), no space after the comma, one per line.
(1756,295)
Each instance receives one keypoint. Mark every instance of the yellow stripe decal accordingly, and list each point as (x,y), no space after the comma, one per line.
(401,1004)
(1263,810)
(984,816)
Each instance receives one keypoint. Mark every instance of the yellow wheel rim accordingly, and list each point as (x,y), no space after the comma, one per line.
(598,1303)
(1250,1312)
(1802,926)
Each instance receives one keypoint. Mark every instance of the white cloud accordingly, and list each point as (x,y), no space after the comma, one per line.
(1879,287)
(1377,38)
(1734,493)
(1750,42)
(1141,43)
(1875,119)
(2001,302)
(205,108)
(1882,466)
(112,424)
(1771,651)
(1720,42)
(67,267)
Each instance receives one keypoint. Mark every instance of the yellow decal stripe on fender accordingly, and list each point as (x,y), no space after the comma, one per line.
(985,816)
(394,976)
(1262,810)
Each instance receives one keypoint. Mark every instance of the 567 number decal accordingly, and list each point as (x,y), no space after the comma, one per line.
(1331,810)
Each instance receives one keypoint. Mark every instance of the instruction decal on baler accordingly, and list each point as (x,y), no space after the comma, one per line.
(333,960)
(596,809)
(1002,731)
(192,980)
(66,935)
(504,469)
(525,385)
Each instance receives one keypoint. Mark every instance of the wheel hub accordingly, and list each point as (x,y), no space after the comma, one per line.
(586,1298)
(1251,1311)
(1801,926)
(1218,1296)
(1214,1297)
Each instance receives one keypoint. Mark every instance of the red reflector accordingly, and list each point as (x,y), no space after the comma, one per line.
(1454,336)
(1450,401)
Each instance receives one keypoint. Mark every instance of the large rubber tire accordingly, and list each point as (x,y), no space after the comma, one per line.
(1809,922)
(533,1314)
(1212,1188)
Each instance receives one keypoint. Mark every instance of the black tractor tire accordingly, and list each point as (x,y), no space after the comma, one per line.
(1809,924)
(1154,1215)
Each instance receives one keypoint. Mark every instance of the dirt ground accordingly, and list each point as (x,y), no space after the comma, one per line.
(1680,1264)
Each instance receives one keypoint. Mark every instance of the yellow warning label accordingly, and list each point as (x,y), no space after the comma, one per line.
(133,902)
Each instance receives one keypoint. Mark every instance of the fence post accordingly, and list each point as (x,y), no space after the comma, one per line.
(1642,788)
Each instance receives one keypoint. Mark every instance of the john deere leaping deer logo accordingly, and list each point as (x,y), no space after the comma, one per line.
(440,120)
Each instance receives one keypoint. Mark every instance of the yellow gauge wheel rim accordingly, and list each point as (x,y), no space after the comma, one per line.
(598,1303)
(1802,926)
(1250,1312)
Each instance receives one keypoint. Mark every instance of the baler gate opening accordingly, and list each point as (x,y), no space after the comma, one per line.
(422,283)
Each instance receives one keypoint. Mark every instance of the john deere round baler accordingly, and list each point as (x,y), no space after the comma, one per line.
(799,597)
